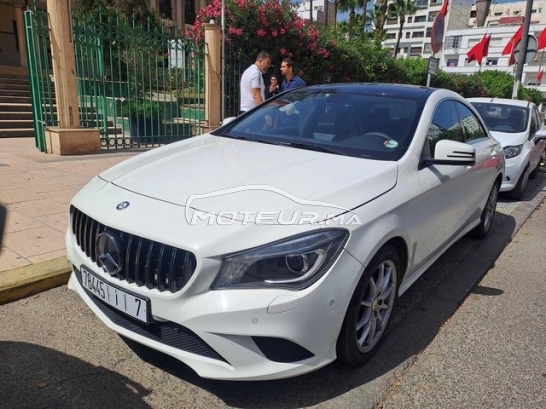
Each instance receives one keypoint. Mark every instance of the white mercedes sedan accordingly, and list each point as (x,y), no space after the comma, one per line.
(281,241)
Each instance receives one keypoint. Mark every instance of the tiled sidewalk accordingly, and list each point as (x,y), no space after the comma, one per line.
(36,188)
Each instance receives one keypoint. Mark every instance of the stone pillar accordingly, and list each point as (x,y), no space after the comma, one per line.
(66,92)
(23,59)
(213,75)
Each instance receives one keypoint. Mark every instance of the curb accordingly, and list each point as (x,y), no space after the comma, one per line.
(33,279)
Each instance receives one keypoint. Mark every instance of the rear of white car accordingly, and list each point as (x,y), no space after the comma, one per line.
(517,126)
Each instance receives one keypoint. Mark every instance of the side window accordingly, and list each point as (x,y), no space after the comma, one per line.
(535,122)
(472,127)
(445,125)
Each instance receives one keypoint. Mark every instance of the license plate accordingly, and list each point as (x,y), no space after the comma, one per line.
(121,300)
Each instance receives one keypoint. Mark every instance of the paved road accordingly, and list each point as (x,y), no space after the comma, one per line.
(55,354)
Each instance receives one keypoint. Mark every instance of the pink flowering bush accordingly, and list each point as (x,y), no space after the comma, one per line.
(252,26)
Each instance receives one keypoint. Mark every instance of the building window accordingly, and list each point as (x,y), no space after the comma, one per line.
(498,13)
(452,62)
(491,61)
(392,21)
(407,35)
(410,19)
(428,48)
(472,13)
(492,24)
(420,19)
(416,50)
(165,9)
(429,32)
(421,4)
(453,41)
(418,34)
(189,12)
(432,15)
(391,36)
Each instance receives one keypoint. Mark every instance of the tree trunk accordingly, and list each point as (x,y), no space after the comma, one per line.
(399,37)
(364,7)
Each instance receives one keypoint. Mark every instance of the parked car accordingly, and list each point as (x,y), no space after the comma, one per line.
(517,126)
(281,241)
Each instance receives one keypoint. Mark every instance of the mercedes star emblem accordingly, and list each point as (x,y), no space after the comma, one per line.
(110,252)
(123,205)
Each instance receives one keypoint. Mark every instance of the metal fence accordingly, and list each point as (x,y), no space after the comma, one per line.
(40,74)
(141,85)
(234,65)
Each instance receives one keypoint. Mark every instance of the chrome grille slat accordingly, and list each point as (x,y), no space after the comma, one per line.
(160,276)
(129,273)
(138,278)
(145,262)
(172,283)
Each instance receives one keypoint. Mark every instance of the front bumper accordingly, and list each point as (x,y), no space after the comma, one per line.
(235,334)
(513,170)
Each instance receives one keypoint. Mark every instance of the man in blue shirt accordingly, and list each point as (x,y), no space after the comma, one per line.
(291,80)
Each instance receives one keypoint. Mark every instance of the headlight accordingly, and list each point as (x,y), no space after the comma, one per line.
(512,151)
(293,263)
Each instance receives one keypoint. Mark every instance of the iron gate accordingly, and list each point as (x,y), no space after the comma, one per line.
(141,85)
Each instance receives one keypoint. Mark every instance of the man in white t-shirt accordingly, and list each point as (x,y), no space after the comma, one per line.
(252,83)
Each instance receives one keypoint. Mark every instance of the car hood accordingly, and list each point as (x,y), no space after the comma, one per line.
(510,139)
(216,174)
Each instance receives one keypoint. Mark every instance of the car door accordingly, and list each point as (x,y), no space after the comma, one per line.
(450,195)
(537,145)
(487,156)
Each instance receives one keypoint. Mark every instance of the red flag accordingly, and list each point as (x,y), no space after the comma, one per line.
(444,7)
(539,76)
(511,46)
(541,40)
(480,50)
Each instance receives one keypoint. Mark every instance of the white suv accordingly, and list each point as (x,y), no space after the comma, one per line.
(517,126)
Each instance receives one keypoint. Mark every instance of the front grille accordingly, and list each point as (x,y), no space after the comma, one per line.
(167,333)
(144,262)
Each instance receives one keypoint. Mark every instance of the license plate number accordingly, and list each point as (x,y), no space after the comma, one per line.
(121,300)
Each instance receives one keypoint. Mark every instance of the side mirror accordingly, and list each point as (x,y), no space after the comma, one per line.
(539,135)
(228,120)
(448,152)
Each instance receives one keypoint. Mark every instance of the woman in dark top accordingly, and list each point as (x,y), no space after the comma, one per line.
(273,88)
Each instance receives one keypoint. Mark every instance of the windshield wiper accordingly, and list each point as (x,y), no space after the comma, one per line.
(311,147)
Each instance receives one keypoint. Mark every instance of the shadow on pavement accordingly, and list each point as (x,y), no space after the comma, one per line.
(420,314)
(33,376)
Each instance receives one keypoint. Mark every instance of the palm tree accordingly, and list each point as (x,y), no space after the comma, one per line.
(364,13)
(350,6)
(400,9)
(375,15)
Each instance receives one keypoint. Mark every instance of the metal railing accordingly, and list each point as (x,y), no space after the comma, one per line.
(141,85)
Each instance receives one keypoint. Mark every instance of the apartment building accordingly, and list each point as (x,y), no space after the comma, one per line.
(461,34)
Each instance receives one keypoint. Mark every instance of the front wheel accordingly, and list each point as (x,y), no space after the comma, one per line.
(370,309)
(518,191)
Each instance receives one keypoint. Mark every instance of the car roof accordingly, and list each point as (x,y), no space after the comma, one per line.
(502,101)
(402,90)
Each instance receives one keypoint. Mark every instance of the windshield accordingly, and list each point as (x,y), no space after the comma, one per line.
(502,117)
(375,126)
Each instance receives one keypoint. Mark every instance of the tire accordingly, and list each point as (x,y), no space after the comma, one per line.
(534,172)
(518,192)
(370,309)
(488,213)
